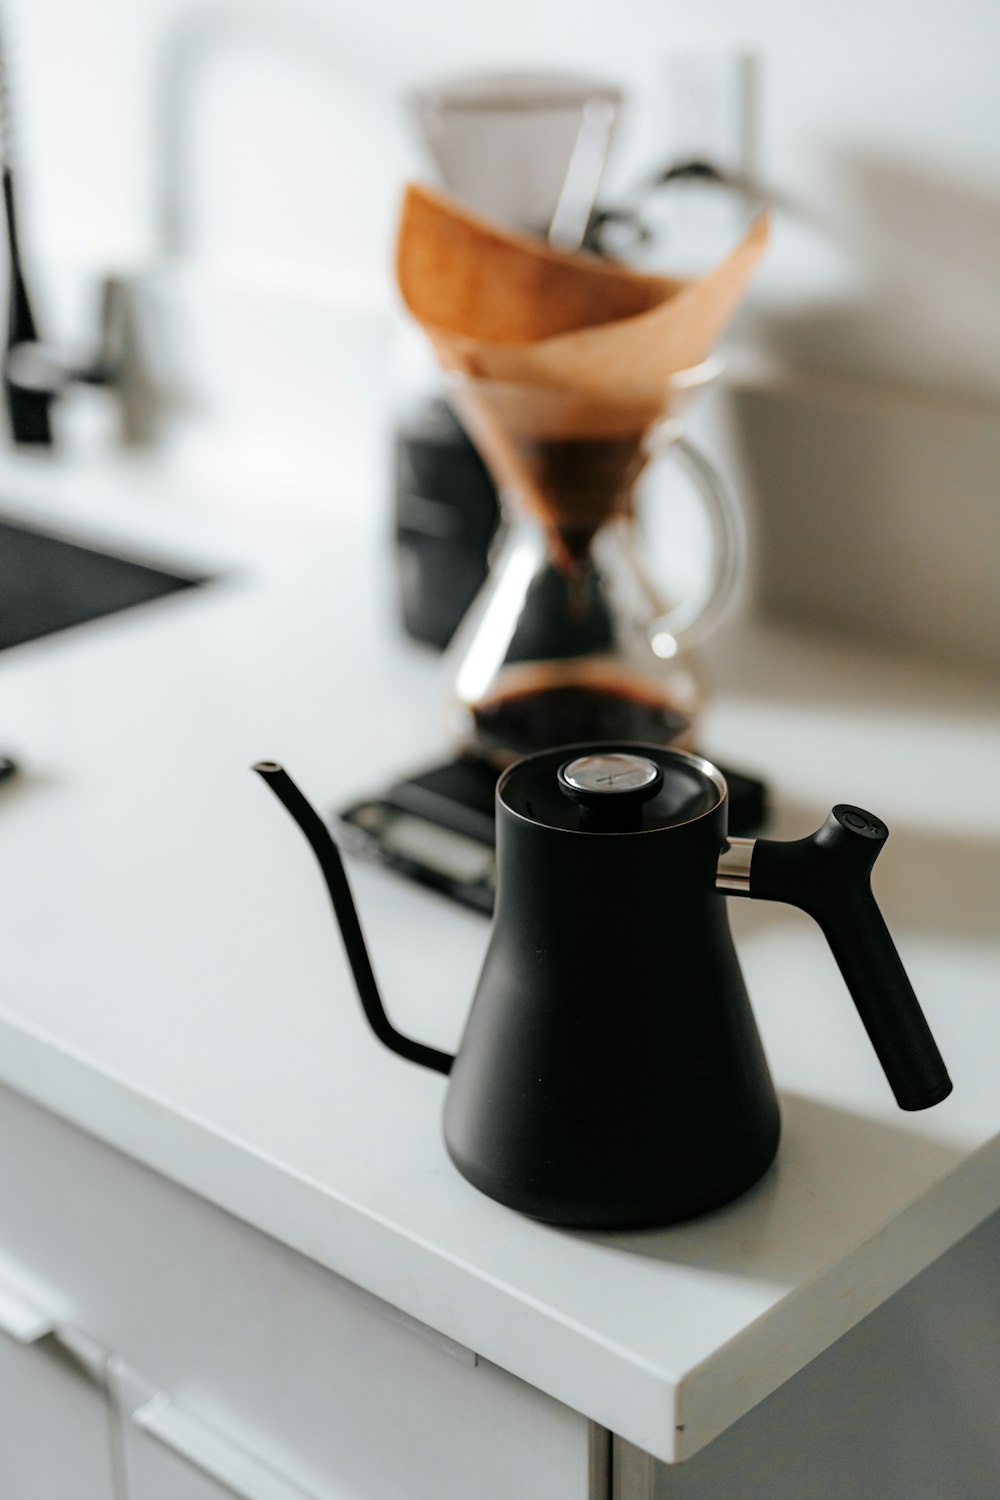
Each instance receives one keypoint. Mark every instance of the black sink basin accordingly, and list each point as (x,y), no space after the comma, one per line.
(49,584)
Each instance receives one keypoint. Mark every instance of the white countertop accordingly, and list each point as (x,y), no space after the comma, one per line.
(173,982)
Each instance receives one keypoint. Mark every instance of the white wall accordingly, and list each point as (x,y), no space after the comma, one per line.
(876,122)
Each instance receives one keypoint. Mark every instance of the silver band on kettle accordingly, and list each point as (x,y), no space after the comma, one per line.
(733,870)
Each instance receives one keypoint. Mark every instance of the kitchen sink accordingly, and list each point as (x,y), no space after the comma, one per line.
(48,583)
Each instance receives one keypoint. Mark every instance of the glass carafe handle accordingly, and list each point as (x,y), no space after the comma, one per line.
(693,619)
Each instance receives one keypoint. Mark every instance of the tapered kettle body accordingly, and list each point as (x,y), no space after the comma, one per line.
(610,1073)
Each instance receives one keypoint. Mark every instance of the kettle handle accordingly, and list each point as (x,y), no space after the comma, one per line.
(327,854)
(828,876)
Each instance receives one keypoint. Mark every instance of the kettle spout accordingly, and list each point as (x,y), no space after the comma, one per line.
(328,855)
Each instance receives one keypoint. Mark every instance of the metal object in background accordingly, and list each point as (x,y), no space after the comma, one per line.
(571,220)
(526,148)
(620,230)
(36,374)
(42,372)
(27,410)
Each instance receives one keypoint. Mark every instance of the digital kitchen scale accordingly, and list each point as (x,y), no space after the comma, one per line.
(438,827)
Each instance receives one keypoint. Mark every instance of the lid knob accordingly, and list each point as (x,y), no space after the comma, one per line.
(610,788)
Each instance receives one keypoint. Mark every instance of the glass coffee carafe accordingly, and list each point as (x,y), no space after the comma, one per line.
(571,637)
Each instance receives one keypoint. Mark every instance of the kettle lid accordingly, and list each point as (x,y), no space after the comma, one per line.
(612,788)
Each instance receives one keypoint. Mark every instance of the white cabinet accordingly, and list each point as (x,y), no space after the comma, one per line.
(190,1357)
(904,1405)
(168,1456)
(156,1474)
(260,1374)
(55,1420)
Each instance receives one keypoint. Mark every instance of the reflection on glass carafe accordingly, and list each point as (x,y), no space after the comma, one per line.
(571,638)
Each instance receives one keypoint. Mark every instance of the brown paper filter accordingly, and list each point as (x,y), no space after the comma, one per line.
(462,275)
(571,459)
(562,362)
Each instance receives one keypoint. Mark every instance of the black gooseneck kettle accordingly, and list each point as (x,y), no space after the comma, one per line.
(610,1074)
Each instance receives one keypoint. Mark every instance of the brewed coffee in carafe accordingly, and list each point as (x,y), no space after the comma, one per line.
(571,638)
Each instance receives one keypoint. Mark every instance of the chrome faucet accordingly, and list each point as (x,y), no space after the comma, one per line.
(35,374)
(132,359)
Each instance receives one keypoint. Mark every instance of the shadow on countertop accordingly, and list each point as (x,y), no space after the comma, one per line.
(827,1191)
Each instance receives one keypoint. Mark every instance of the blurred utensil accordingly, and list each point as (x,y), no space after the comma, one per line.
(527,148)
